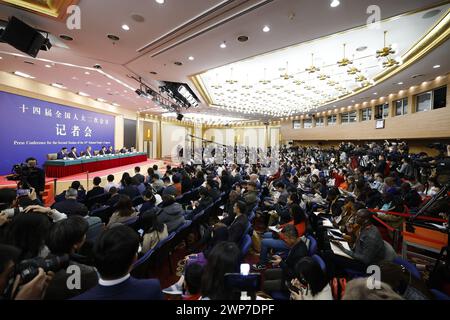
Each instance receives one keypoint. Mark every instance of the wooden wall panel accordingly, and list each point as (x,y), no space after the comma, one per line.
(422,125)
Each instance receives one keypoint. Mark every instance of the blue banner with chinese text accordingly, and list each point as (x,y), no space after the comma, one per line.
(34,128)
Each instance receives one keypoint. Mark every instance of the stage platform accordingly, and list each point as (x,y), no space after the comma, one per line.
(56,186)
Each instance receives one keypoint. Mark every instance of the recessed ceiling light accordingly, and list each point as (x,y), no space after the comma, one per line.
(242,38)
(335,3)
(160,1)
(109,83)
(58,85)
(223,45)
(353,101)
(436,66)
(87,73)
(191,58)
(362,48)
(375,93)
(74,78)
(66,37)
(125,27)
(24,75)
(83,94)
(48,66)
(266,29)
(101,100)
(400,83)
(1,58)
(137,18)
(113,37)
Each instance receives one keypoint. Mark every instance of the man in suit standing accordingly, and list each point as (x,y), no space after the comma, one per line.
(103,151)
(71,206)
(73,153)
(114,255)
(62,154)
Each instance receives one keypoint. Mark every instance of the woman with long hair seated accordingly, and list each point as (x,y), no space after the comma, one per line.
(125,212)
(155,231)
(310,282)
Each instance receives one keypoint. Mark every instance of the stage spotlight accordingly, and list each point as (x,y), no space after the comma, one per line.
(140,93)
(151,93)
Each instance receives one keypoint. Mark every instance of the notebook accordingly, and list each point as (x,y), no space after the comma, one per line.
(338,251)
(274,228)
(327,223)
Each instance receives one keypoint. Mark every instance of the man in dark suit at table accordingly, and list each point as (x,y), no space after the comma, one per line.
(110,150)
(88,152)
(102,151)
(62,154)
(73,153)
(123,150)
(114,254)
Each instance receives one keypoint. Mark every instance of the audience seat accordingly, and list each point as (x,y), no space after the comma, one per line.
(104,213)
(408,266)
(312,247)
(438,295)
(52,156)
(320,261)
(246,243)
(141,268)
(98,200)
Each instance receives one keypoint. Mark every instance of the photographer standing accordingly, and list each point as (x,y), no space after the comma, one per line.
(35,176)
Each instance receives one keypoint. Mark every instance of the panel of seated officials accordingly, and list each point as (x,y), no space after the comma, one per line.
(309,227)
(65,154)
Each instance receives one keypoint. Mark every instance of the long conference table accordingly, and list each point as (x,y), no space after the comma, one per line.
(70,167)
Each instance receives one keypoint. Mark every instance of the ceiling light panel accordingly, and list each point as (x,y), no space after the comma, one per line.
(302,78)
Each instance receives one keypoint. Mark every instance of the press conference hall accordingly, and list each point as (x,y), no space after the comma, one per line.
(252,153)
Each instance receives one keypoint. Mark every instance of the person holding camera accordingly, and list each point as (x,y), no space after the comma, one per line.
(12,286)
(34,176)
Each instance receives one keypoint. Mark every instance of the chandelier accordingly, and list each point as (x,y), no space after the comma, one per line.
(312,68)
(344,61)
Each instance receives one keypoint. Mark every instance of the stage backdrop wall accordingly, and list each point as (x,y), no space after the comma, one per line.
(34,128)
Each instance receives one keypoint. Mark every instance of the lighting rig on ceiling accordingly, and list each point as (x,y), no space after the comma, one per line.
(146,92)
